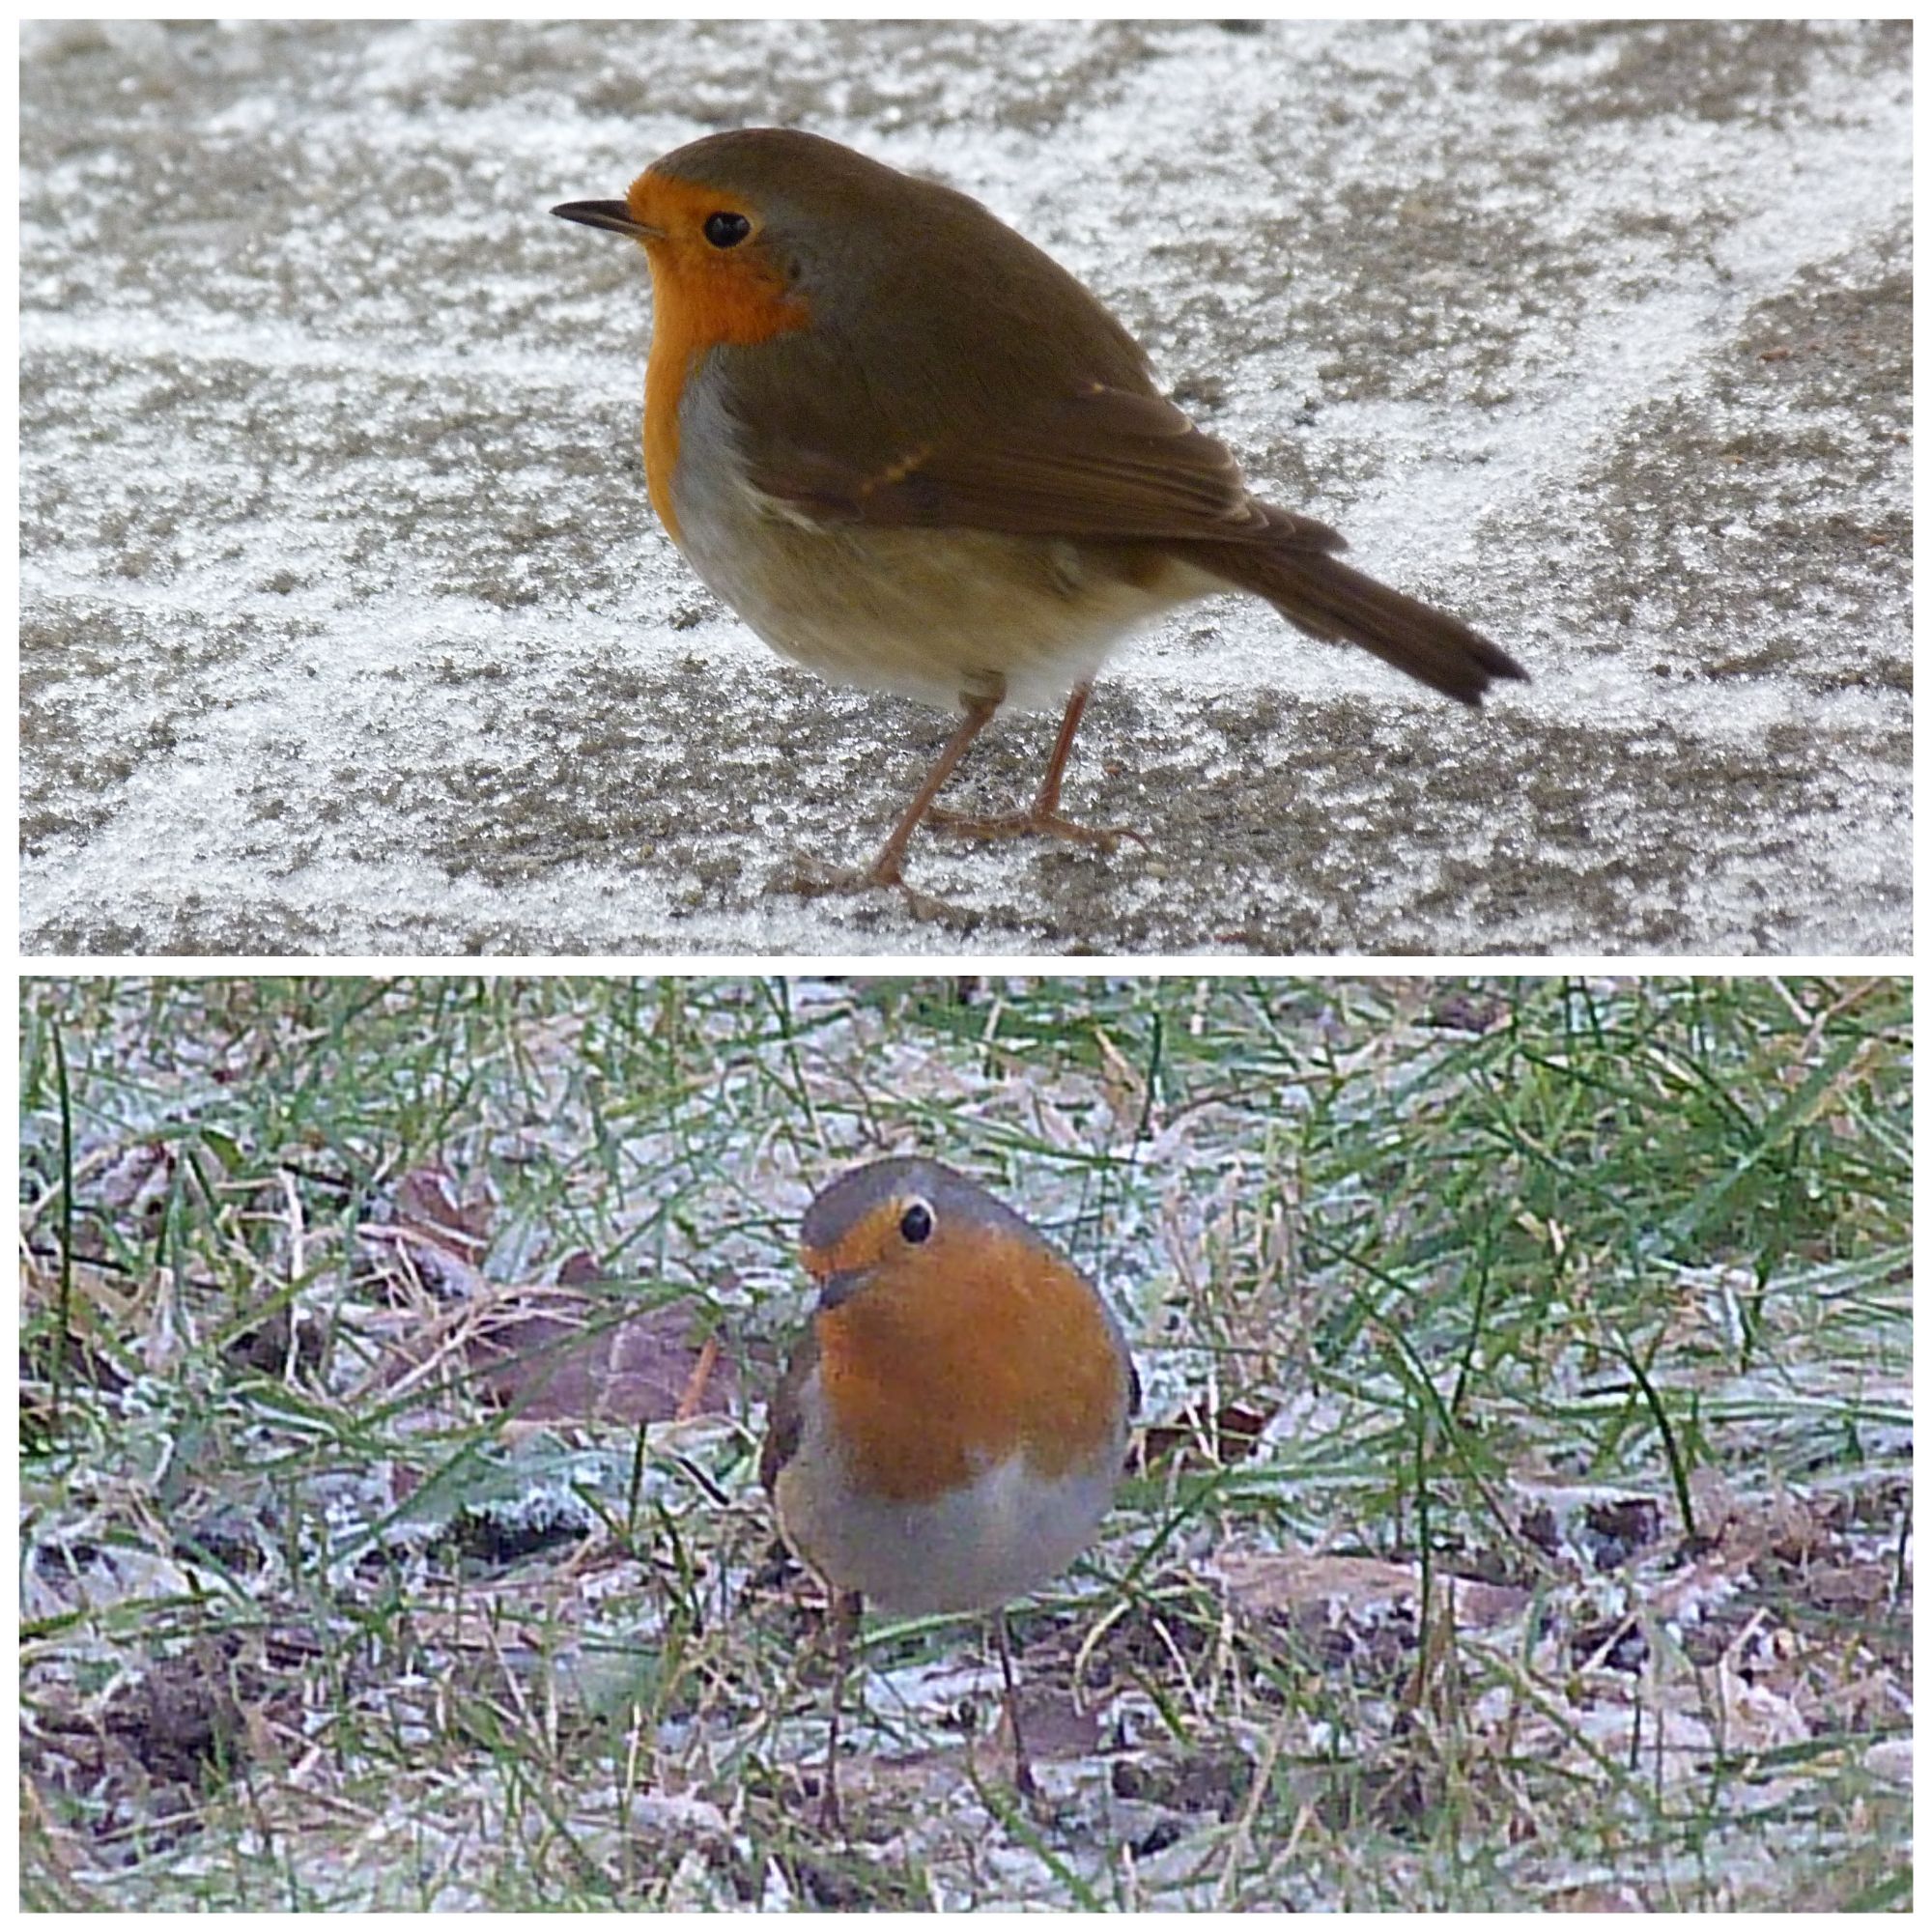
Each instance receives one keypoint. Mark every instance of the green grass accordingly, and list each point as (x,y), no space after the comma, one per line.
(1522,1522)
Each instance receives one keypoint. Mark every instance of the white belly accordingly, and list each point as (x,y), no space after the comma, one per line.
(972,1549)
(1006,1533)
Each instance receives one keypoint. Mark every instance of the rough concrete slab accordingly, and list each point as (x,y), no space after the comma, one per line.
(347,628)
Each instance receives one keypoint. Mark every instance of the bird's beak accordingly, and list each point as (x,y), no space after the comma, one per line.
(840,1287)
(615,215)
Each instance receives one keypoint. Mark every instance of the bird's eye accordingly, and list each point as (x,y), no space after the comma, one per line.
(726,231)
(916,1223)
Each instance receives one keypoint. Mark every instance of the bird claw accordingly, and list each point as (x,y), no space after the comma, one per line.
(813,878)
(1033,824)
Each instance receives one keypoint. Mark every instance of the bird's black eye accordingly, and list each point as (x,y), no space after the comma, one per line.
(916,1223)
(726,231)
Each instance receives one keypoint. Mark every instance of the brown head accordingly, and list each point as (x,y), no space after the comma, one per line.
(770,228)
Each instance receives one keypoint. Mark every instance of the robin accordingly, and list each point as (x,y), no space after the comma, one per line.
(916,455)
(951,1426)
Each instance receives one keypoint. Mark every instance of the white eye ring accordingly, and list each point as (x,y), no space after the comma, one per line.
(916,1222)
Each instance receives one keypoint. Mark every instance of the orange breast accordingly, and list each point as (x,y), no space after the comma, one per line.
(977,1348)
(700,296)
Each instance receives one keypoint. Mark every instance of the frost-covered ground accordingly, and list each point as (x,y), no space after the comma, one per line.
(346,626)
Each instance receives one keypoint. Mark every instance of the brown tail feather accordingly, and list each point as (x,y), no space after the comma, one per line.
(1327,599)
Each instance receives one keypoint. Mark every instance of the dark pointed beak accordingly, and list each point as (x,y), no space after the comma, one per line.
(615,215)
(841,1287)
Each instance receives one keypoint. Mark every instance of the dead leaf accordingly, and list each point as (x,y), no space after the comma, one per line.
(1231,1433)
(556,1354)
(441,1237)
(1289,1583)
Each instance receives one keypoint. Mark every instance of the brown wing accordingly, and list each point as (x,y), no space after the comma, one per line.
(784,1420)
(1103,462)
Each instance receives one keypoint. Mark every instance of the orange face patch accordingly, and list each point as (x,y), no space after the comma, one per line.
(871,1240)
(702,295)
(959,1352)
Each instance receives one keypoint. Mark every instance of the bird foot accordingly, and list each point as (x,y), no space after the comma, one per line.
(813,878)
(1033,823)
(831,1819)
(1025,1786)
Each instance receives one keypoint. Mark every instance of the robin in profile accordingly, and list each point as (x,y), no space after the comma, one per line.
(916,455)
(952,1427)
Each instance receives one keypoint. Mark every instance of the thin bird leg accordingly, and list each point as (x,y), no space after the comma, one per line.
(1022,1766)
(885,870)
(1043,818)
(1047,800)
(841,1615)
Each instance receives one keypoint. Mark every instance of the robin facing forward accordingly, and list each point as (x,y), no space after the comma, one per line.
(913,454)
(951,1429)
